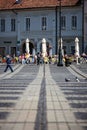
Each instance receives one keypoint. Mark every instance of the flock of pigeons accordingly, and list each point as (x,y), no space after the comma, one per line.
(76,78)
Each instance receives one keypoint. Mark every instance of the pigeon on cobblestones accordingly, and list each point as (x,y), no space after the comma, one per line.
(77,80)
(67,80)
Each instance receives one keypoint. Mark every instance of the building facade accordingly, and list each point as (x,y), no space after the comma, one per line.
(19,23)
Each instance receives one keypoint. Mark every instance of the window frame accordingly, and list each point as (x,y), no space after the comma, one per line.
(2,24)
(27,23)
(13,24)
(44,23)
(63,22)
(74,22)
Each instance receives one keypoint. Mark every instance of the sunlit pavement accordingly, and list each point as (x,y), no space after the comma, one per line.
(38,98)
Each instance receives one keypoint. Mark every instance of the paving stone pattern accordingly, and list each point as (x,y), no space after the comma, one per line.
(82,67)
(38,98)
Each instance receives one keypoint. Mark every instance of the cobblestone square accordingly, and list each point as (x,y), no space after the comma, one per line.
(38,98)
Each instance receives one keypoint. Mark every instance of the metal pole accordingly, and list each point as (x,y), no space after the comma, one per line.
(82,26)
(56,27)
(60,60)
(60,19)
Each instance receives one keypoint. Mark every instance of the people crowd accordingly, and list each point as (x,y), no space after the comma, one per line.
(30,59)
(39,59)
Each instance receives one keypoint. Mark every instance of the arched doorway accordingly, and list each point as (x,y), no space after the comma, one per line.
(31,47)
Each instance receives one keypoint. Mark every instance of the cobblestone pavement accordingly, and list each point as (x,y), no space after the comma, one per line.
(38,98)
(82,67)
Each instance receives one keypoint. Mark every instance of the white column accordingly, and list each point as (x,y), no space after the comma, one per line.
(50,52)
(38,47)
(33,53)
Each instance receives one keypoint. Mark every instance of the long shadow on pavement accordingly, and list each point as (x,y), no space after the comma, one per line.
(41,118)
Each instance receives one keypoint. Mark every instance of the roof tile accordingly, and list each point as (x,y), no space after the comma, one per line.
(11,4)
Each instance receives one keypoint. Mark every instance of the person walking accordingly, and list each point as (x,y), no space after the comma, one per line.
(8,62)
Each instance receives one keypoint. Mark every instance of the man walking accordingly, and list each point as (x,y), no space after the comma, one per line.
(8,61)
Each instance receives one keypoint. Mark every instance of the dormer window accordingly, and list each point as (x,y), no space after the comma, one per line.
(17,1)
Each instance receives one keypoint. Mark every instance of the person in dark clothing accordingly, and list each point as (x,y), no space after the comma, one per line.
(8,61)
(38,58)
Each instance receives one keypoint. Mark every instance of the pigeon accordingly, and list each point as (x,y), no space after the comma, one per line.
(67,80)
(77,79)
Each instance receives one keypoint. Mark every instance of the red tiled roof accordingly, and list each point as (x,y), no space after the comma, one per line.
(10,4)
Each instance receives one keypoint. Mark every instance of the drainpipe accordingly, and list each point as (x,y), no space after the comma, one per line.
(82,26)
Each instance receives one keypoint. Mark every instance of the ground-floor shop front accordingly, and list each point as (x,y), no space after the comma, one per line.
(33,46)
(24,46)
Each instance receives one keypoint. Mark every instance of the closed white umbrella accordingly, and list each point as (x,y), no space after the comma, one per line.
(27,46)
(77,49)
(44,48)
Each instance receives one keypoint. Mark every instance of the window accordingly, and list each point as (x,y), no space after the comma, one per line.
(44,23)
(2,25)
(64,49)
(73,50)
(2,51)
(74,22)
(17,1)
(12,24)
(13,51)
(27,24)
(63,22)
